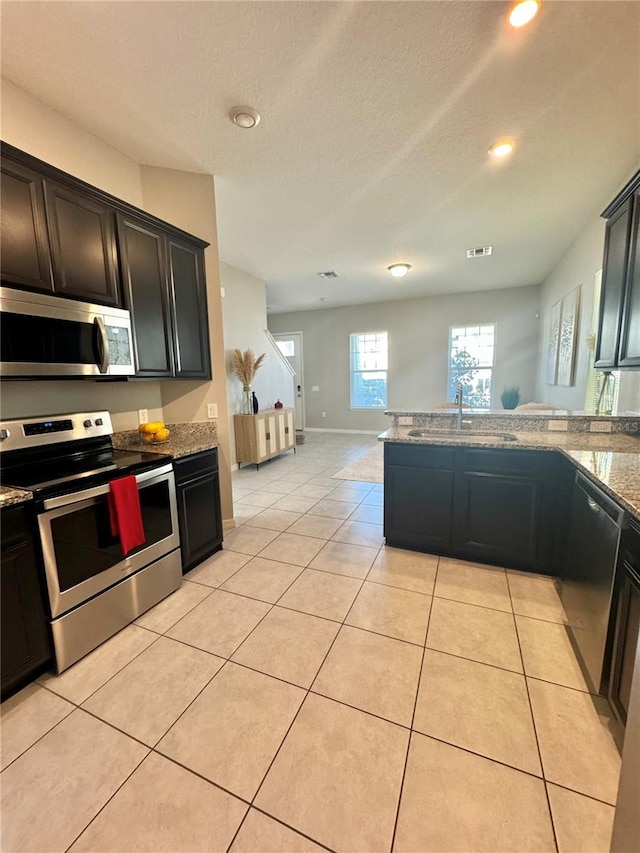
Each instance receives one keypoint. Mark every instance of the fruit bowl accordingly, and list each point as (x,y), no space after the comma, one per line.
(154,433)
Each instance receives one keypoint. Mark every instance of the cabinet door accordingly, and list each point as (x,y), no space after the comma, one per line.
(200,519)
(630,336)
(189,309)
(614,271)
(626,641)
(498,517)
(26,646)
(290,430)
(281,426)
(418,507)
(146,290)
(83,245)
(25,257)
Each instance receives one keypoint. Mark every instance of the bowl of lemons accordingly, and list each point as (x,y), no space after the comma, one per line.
(154,433)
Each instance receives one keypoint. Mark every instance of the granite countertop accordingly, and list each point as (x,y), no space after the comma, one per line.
(184,440)
(10,496)
(611,460)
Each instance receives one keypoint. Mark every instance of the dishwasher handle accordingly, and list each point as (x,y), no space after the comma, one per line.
(598,501)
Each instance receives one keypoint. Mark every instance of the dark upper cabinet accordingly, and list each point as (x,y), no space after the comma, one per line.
(146,290)
(164,286)
(618,343)
(614,271)
(630,334)
(83,245)
(26,644)
(189,310)
(25,258)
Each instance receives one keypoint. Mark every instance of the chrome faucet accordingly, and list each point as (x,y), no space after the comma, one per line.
(458,403)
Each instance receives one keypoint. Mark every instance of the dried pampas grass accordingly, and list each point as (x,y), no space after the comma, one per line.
(245,365)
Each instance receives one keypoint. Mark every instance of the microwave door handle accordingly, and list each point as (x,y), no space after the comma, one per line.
(103,349)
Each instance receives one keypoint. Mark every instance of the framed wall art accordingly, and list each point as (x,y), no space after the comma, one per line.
(568,337)
(552,347)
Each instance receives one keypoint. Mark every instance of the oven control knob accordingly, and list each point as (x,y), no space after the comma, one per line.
(87,423)
(99,422)
(4,433)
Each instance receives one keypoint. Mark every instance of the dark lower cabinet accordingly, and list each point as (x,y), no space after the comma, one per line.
(26,645)
(627,622)
(494,506)
(24,260)
(83,245)
(199,513)
(418,497)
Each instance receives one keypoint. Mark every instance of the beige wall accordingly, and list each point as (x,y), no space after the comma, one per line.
(245,318)
(418,350)
(187,200)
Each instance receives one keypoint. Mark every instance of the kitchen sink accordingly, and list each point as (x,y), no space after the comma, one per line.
(461,435)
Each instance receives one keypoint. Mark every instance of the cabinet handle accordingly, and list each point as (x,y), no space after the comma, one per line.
(268,436)
(595,507)
(286,430)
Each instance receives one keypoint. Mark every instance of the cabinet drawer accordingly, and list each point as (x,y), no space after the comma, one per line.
(205,462)
(502,461)
(423,456)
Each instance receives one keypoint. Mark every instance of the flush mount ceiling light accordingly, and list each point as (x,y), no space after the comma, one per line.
(329,274)
(245,117)
(523,12)
(502,148)
(399,270)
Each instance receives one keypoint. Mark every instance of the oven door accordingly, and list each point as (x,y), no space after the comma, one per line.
(82,558)
(44,335)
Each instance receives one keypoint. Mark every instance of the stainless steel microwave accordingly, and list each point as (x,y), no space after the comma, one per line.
(43,335)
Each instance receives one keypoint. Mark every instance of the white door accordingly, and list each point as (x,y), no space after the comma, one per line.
(290,345)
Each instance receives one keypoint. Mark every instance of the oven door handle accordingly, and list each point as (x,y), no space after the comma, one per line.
(76,497)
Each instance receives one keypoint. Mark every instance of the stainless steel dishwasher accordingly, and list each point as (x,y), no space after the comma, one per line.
(593,539)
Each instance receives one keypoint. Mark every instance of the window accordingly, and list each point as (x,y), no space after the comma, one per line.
(602,392)
(368,370)
(287,348)
(471,351)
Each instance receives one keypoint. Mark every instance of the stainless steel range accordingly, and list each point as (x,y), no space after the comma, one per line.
(68,462)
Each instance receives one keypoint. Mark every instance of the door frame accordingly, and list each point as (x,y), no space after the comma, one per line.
(284,336)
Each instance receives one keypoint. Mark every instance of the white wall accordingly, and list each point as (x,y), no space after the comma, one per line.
(418,350)
(245,319)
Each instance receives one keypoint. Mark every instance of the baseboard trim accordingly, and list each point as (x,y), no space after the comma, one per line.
(234,467)
(355,431)
(228,524)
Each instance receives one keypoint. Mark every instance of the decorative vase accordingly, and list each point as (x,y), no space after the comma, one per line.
(277,404)
(254,402)
(247,402)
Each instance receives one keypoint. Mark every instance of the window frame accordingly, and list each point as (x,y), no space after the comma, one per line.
(353,371)
(491,368)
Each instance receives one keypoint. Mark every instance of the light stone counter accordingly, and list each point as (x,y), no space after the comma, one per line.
(10,496)
(185,439)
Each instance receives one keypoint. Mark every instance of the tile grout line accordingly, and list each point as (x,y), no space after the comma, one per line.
(535,728)
(413,716)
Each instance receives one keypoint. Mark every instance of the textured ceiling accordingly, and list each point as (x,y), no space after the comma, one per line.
(377,117)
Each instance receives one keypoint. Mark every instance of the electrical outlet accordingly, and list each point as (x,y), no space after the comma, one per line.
(601,426)
(315,387)
(323,414)
(558,426)
(143,416)
(406,421)
(212,410)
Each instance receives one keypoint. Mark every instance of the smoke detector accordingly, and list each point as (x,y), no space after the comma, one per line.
(480,252)
(329,274)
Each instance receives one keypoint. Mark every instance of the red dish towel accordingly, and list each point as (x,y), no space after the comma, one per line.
(124,513)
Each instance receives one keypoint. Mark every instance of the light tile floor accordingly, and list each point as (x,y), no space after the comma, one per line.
(310,688)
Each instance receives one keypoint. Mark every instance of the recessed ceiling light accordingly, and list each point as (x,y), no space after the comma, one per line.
(523,12)
(502,148)
(245,117)
(399,270)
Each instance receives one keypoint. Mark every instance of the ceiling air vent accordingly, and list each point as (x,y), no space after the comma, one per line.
(482,252)
(329,274)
